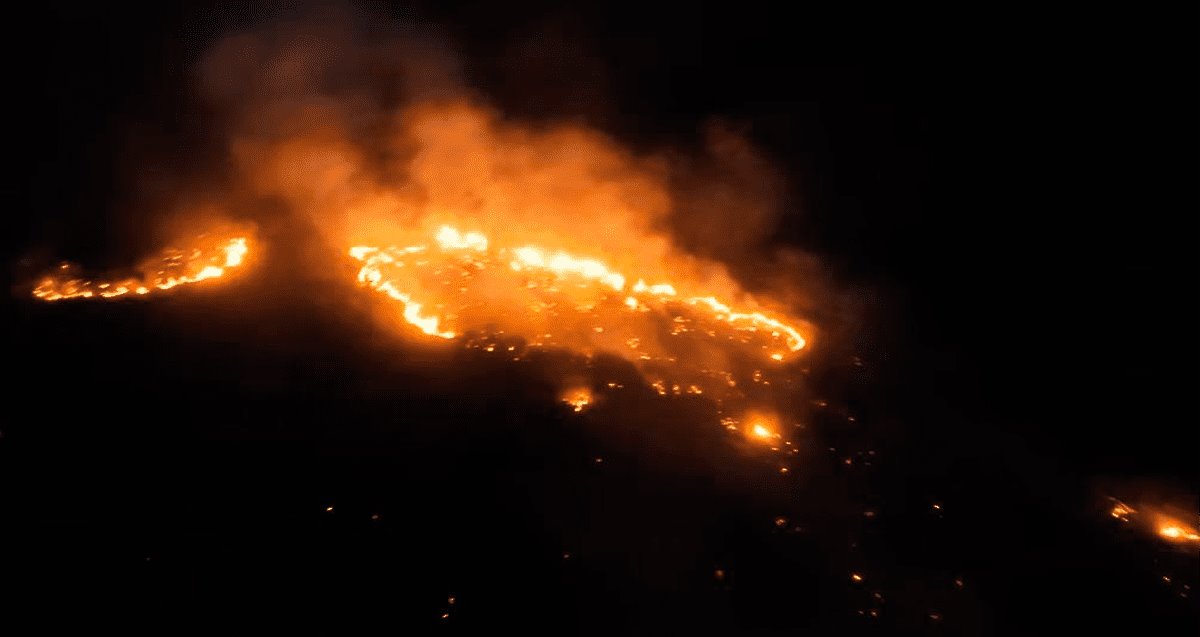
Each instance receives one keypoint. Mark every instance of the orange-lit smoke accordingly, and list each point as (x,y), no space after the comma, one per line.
(475,226)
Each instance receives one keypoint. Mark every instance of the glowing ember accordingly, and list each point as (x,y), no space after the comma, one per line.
(206,260)
(761,431)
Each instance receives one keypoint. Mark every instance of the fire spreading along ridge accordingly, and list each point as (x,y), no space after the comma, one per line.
(508,298)
(207,258)
(381,267)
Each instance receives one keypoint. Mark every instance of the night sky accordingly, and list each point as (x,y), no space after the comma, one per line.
(1004,199)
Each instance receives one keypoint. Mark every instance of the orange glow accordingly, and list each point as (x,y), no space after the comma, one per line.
(1175,530)
(206,259)
(1156,520)
(509,238)
(754,320)
(1122,511)
(451,239)
(563,265)
(578,398)
(466,284)
(760,427)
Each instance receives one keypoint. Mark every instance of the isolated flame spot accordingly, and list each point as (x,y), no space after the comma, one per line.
(578,398)
(1175,530)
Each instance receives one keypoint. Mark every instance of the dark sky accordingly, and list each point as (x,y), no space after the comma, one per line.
(1012,187)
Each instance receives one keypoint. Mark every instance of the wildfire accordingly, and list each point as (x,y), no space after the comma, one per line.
(173,267)
(512,239)
(1121,511)
(762,427)
(1154,519)
(509,298)
(1175,530)
(578,398)
(457,259)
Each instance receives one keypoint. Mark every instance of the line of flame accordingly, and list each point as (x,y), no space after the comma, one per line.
(231,255)
(563,265)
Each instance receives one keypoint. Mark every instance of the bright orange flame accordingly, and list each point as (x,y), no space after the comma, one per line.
(756,320)
(1174,530)
(760,427)
(1156,520)
(458,258)
(371,274)
(173,268)
(1122,511)
(578,398)
(451,239)
(563,265)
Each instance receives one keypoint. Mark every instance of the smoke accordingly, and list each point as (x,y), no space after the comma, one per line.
(364,129)
(346,136)
(727,200)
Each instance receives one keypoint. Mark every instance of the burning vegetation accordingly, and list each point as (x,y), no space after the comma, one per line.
(207,257)
(1156,520)
(495,233)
